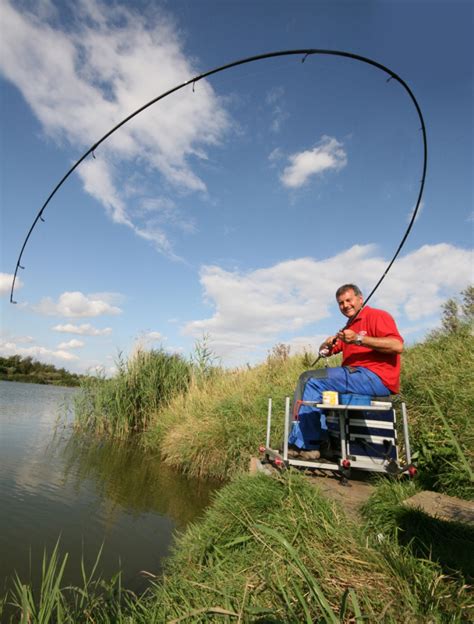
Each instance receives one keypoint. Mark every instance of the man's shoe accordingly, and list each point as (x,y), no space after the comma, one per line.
(293,453)
(309,455)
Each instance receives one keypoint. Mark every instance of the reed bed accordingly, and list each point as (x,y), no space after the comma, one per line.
(127,402)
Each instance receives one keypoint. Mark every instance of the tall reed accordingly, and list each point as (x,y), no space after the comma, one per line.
(127,402)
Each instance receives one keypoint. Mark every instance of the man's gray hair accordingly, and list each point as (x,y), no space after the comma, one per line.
(342,289)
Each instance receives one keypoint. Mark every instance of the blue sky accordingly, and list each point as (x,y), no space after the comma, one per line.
(234,210)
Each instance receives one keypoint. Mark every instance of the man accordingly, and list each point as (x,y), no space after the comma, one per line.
(371,346)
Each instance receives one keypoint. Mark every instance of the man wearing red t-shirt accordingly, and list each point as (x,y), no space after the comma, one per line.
(371,346)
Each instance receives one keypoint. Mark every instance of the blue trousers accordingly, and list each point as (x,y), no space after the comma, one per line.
(311,428)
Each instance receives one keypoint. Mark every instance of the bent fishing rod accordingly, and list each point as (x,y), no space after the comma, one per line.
(305,53)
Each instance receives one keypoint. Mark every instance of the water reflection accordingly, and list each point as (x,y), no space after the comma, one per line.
(126,477)
(88,492)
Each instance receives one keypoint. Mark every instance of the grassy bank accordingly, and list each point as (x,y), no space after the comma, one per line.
(208,422)
(277,551)
(215,428)
(438,387)
(274,550)
(270,551)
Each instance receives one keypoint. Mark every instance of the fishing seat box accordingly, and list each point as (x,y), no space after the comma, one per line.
(371,436)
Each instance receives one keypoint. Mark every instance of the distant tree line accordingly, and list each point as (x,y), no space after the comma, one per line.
(26,369)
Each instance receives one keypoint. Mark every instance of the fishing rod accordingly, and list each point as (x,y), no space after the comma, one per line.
(305,53)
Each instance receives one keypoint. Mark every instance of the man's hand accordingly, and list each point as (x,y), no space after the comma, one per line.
(327,346)
(347,335)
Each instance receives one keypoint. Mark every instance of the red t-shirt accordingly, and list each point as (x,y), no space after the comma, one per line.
(378,324)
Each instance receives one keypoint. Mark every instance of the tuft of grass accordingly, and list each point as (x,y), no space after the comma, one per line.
(50,603)
(95,600)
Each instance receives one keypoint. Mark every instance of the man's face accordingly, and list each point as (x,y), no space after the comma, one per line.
(349,303)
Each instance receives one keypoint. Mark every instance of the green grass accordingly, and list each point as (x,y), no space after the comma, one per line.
(215,428)
(438,387)
(95,600)
(278,550)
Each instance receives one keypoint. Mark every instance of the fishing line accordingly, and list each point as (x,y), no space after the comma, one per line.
(305,53)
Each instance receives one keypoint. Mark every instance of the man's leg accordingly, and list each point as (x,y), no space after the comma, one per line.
(307,434)
(340,379)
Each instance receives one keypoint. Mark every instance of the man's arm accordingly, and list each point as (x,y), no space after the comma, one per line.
(384,345)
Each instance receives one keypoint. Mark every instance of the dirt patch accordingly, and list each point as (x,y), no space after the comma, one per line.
(350,496)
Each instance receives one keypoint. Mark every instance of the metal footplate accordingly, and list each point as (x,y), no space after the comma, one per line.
(363,437)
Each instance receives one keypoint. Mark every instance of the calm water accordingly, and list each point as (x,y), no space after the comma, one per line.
(87,493)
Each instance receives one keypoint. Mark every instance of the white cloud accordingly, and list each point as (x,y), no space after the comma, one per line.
(53,356)
(7,337)
(175,350)
(275,155)
(80,83)
(147,338)
(328,154)
(86,329)
(71,344)
(6,280)
(306,344)
(153,336)
(278,114)
(76,304)
(253,310)
(421,281)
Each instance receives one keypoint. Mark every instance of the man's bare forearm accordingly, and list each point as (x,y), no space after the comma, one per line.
(384,345)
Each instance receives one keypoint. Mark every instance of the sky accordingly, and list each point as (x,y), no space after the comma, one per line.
(231,210)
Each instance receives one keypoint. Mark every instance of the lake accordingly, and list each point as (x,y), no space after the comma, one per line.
(86,492)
